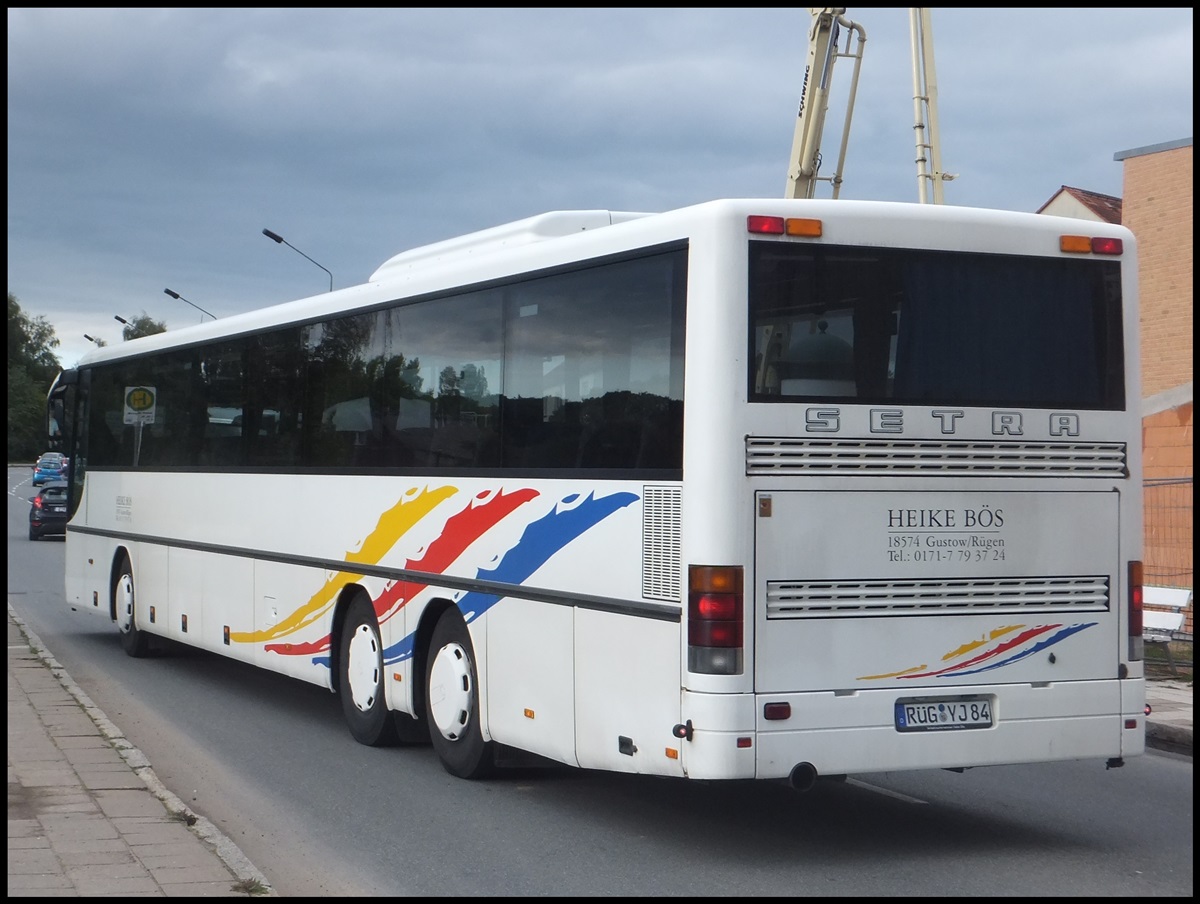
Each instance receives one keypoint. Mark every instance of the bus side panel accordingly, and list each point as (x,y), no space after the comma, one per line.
(151,576)
(188,572)
(530,699)
(88,587)
(627,687)
(280,591)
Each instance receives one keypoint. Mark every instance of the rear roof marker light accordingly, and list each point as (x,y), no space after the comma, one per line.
(765,225)
(803,227)
(1101,245)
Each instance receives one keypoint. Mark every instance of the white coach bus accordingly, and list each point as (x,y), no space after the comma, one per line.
(754,489)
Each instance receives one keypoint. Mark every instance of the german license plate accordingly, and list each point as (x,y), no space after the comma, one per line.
(943,713)
(58,509)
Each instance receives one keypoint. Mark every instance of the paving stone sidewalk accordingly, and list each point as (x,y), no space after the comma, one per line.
(86,814)
(88,817)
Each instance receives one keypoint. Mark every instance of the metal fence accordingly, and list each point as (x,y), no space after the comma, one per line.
(1168,542)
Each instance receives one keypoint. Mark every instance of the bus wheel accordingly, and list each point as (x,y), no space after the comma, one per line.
(136,643)
(452,700)
(361,686)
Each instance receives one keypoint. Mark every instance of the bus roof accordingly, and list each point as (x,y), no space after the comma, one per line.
(554,224)
(441,264)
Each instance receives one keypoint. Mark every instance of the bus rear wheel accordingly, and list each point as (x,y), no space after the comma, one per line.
(133,641)
(452,700)
(361,686)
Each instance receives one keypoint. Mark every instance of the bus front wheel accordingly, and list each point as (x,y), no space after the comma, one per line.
(452,700)
(361,688)
(133,641)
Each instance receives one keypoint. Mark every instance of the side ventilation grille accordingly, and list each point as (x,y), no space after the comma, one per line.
(661,567)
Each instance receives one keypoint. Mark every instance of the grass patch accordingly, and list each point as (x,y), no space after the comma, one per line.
(1158,664)
(249,887)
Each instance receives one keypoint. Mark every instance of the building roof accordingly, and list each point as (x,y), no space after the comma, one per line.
(1153,149)
(1106,207)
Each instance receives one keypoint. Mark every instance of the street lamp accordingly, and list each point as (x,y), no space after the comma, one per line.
(280,240)
(119,319)
(185,301)
(91,338)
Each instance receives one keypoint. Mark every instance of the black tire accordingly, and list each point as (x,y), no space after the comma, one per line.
(452,700)
(411,731)
(133,641)
(360,682)
(34,535)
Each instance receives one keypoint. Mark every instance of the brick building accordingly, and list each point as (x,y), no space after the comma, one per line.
(1157,206)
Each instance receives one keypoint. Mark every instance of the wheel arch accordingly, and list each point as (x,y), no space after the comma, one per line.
(120,554)
(346,596)
(421,638)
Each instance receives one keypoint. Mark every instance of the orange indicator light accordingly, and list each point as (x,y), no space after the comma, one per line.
(803,227)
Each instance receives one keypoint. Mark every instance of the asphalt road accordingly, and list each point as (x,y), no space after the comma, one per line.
(268,760)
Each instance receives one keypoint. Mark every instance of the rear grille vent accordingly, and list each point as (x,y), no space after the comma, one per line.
(661,526)
(958,596)
(936,458)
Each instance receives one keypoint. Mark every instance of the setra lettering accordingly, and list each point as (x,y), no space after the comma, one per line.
(947,421)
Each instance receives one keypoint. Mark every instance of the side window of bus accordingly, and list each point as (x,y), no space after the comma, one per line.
(442,407)
(275,395)
(222,378)
(592,365)
(338,402)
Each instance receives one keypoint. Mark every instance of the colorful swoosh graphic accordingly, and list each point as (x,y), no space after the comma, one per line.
(414,506)
(541,539)
(1002,647)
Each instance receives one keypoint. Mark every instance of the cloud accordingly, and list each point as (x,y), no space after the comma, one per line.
(149,148)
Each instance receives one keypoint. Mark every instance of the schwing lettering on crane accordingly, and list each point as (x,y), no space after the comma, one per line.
(823,52)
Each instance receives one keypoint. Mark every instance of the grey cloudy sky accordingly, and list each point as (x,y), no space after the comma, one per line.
(148,149)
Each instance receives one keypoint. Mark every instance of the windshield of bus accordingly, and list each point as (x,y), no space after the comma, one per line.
(934,327)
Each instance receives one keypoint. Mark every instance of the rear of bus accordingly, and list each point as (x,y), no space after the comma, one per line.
(921,512)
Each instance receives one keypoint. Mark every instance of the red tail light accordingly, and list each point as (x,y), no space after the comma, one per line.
(1134,592)
(37,502)
(716,611)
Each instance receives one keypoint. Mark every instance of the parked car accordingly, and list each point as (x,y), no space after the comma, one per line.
(48,510)
(50,466)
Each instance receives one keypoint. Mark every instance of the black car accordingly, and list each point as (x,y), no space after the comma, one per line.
(48,510)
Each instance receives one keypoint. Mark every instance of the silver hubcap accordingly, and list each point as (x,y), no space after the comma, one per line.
(362,670)
(125,603)
(450,691)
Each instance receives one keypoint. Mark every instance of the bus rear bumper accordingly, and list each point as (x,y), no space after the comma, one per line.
(856,732)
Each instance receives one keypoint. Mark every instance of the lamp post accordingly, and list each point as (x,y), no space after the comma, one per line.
(176,295)
(92,339)
(119,319)
(280,240)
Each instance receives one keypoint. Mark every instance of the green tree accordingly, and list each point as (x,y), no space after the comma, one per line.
(142,325)
(31,343)
(32,367)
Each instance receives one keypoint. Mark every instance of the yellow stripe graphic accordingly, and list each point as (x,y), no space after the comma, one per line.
(392,525)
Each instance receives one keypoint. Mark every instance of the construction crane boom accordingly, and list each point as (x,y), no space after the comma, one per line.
(823,36)
(930,177)
(823,52)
